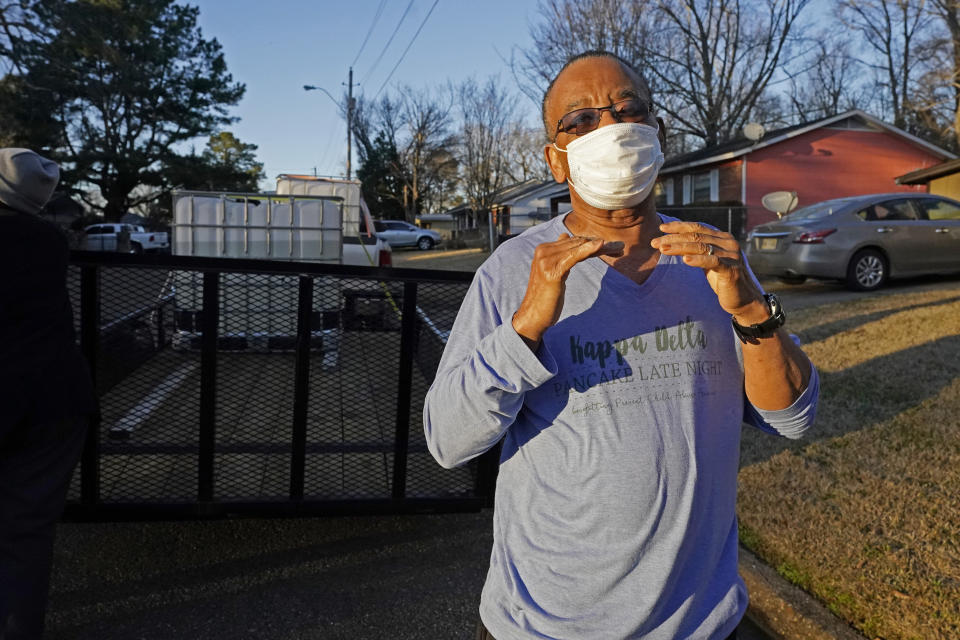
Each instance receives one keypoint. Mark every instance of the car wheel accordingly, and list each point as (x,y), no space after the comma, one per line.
(425,243)
(792,279)
(867,270)
(136,247)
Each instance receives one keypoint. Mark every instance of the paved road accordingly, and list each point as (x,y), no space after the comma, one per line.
(400,577)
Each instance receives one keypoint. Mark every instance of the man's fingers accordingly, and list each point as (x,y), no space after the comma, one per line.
(704,247)
(697,238)
(571,255)
(589,247)
(704,255)
(558,257)
(680,226)
(707,261)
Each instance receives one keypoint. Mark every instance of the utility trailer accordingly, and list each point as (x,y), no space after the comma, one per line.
(320,222)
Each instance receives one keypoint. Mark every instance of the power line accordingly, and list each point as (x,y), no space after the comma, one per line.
(376,17)
(392,35)
(435,2)
(327,147)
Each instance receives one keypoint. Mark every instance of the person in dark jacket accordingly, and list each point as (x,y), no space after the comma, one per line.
(46,393)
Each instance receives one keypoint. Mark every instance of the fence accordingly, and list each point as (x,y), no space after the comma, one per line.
(732,219)
(259,387)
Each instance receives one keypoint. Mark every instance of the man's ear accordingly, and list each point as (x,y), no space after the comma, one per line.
(662,134)
(557,166)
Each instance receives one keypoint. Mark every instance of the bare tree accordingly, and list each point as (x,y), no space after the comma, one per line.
(442,179)
(892,30)
(949,12)
(831,84)
(525,154)
(713,60)
(709,63)
(404,147)
(426,121)
(486,114)
(569,27)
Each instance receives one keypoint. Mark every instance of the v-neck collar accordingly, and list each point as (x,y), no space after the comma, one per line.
(605,270)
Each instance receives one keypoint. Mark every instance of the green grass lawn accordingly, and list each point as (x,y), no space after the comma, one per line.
(865,512)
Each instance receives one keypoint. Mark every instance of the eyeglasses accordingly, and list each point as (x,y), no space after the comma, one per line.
(581,121)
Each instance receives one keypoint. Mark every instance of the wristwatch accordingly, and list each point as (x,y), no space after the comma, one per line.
(766,328)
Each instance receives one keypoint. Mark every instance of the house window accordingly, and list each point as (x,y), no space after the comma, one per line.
(701,187)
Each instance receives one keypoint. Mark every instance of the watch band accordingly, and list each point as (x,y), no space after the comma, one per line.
(765,329)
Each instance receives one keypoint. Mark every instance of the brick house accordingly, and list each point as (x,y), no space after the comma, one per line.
(848,154)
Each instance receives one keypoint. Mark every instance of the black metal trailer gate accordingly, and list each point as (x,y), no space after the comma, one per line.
(257,387)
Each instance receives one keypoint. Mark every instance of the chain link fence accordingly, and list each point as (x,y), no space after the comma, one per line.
(258,387)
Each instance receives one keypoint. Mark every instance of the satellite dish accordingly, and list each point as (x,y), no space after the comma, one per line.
(753,131)
(780,202)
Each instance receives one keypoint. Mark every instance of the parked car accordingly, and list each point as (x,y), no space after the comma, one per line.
(862,239)
(105,237)
(404,234)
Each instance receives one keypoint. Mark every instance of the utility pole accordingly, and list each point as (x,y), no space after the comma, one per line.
(351,103)
(349,118)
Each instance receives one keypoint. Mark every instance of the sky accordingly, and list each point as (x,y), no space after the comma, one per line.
(276,47)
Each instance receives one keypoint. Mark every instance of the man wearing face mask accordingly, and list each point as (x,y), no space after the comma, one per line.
(616,352)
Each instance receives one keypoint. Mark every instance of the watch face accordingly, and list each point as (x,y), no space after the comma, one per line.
(776,309)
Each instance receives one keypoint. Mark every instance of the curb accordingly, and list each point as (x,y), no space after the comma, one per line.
(784,611)
(444,254)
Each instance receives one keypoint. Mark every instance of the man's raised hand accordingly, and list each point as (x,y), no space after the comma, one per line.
(718,254)
(551,265)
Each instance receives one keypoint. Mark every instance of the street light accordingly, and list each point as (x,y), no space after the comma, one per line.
(310,87)
(350,105)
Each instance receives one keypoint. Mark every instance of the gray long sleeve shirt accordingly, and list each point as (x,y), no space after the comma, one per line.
(615,503)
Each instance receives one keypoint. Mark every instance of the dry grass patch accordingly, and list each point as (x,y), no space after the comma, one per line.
(865,514)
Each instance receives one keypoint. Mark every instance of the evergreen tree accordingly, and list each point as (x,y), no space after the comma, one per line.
(110,89)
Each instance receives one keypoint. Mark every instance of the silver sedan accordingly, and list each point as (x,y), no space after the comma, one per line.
(862,239)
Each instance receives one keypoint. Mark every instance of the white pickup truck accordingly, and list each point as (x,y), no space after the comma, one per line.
(109,237)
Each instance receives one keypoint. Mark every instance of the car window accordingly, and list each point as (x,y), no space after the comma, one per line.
(819,210)
(937,209)
(93,230)
(379,226)
(893,210)
(396,226)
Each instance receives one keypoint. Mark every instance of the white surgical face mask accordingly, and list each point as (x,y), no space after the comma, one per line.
(616,166)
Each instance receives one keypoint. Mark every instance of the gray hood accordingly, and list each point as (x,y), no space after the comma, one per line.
(27,179)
